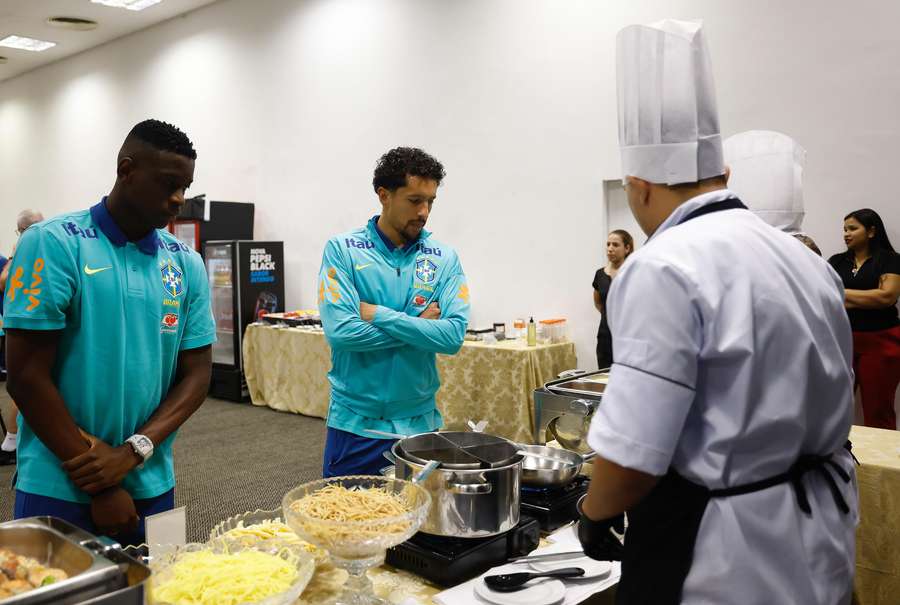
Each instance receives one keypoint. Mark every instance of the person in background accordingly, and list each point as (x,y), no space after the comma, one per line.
(390,298)
(808,242)
(724,425)
(870,270)
(619,244)
(26,219)
(109,329)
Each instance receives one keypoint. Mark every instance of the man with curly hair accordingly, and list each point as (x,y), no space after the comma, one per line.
(109,330)
(390,297)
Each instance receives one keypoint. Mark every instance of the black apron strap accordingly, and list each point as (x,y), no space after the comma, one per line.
(663,527)
(729,204)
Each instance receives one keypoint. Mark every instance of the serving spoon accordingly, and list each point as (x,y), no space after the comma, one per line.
(508,582)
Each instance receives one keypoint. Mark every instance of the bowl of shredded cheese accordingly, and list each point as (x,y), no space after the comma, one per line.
(222,572)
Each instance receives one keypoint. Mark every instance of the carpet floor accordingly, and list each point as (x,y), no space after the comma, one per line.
(229,458)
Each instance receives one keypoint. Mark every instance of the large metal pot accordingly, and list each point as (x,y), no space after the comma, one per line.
(465,502)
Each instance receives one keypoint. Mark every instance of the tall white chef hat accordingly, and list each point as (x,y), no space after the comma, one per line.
(668,123)
(767,174)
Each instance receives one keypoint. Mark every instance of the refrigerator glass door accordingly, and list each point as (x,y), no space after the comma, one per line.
(222,291)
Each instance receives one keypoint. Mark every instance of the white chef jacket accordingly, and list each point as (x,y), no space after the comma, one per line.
(733,358)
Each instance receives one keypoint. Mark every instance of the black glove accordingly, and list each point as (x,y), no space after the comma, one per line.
(597,537)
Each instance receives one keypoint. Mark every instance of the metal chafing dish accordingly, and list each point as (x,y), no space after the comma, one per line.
(100,573)
(563,408)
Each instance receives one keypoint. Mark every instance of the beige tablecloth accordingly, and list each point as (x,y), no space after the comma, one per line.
(878,534)
(286,369)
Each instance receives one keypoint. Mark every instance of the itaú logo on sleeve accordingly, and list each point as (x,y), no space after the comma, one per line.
(355,243)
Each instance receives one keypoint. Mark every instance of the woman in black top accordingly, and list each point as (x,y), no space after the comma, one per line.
(619,245)
(870,270)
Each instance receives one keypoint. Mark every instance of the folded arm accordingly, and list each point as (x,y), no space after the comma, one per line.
(885,295)
(444,335)
(339,303)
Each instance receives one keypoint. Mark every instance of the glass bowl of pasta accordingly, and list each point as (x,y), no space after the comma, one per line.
(263,527)
(223,572)
(356,519)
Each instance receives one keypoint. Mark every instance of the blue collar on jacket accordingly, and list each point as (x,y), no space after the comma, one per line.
(148,244)
(374,230)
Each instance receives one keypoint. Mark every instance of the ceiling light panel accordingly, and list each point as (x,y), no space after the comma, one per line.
(23,43)
(132,5)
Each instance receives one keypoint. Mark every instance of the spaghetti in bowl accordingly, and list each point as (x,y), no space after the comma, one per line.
(358,516)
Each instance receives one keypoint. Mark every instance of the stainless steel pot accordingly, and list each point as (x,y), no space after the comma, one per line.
(554,468)
(468,503)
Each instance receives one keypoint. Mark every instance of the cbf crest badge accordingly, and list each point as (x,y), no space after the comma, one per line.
(172,279)
(425,270)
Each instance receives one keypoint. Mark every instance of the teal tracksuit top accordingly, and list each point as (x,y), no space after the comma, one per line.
(384,372)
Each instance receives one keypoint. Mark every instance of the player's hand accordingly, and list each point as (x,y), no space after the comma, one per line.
(102,466)
(113,512)
(367,311)
(432,311)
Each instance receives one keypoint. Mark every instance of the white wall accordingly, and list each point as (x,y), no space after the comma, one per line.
(290,103)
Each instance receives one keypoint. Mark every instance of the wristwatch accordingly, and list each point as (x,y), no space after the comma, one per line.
(142,446)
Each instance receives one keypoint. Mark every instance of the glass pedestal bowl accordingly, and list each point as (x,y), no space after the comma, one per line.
(357,546)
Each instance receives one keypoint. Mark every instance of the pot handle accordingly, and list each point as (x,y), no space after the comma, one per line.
(470,489)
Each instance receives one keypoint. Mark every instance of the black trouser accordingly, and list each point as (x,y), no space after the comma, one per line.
(604,351)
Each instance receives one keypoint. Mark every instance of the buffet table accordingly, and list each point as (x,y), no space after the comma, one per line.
(286,369)
(878,534)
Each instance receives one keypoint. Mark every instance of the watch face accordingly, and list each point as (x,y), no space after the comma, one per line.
(144,443)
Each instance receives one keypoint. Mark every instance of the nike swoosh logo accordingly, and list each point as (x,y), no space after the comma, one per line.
(89,271)
(361,267)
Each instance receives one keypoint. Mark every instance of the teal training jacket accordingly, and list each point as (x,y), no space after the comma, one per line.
(386,369)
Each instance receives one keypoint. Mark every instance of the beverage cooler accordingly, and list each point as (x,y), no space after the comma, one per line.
(246,279)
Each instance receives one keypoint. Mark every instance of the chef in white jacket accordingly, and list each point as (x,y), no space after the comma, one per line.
(722,431)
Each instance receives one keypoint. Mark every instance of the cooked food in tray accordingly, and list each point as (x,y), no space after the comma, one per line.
(20,574)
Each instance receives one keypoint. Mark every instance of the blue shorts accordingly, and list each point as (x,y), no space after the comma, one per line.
(349,454)
(32,505)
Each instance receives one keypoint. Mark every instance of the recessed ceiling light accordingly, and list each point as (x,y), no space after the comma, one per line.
(74,23)
(23,43)
(132,5)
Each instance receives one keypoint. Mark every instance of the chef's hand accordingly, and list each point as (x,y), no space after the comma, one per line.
(102,466)
(432,311)
(367,311)
(113,512)
(597,537)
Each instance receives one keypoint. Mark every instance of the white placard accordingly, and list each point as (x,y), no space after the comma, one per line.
(165,530)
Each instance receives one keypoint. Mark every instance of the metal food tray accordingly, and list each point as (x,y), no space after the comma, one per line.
(293,322)
(99,573)
(580,386)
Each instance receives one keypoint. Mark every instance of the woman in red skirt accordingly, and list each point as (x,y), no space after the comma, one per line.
(870,270)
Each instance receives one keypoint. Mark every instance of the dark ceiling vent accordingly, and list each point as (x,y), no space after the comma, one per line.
(73,23)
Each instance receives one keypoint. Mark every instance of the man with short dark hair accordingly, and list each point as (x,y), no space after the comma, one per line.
(108,331)
(390,297)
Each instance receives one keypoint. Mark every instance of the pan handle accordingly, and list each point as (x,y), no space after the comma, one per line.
(470,489)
